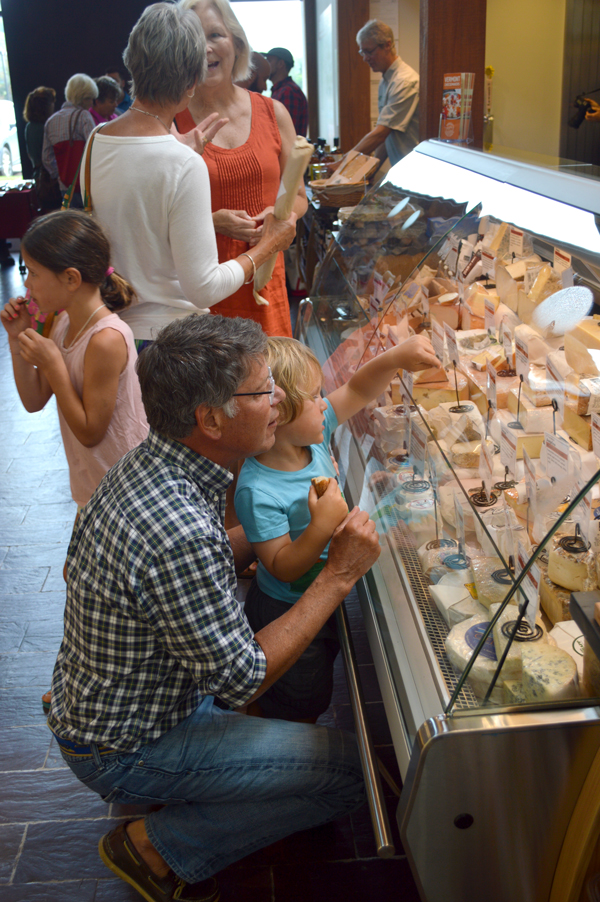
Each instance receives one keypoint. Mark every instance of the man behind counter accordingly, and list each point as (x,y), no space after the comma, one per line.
(285,88)
(154,632)
(397,130)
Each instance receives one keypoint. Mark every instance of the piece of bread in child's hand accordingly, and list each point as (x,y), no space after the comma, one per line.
(320,483)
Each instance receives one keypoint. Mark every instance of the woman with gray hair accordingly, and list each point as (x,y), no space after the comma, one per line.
(151,193)
(245,159)
(66,132)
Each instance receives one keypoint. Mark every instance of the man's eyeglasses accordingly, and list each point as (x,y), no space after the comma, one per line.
(270,392)
(365,53)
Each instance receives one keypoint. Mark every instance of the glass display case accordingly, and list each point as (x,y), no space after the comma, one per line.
(481,475)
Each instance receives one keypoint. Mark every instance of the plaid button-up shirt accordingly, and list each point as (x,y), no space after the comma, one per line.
(70,122)
(152,623)
(292,97)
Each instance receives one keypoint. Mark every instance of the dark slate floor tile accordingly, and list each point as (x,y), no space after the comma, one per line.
(71,891)
(383,881)
(26,670)
(14,515)
(52,512)
(23,608)
(51,849)
(20,707)
(117,890)
(245,884)
(43,636)
(22,582)
(46,795)
(25,748)
(11,637)
(24,556)
(11,837)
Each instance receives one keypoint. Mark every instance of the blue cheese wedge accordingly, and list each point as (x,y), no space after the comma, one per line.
(513,694)
(549,674)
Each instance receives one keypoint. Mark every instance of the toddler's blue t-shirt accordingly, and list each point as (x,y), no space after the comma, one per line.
(271,503)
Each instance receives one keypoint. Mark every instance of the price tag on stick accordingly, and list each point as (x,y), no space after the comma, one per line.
(451,344)
(596,433)
(508,449)
(437,340)
(530,587)
(460,523)
(522,358)
(406,388)
(418,448)
(490,313)
(557,456)
(491,386)
(486,467)
(583,512)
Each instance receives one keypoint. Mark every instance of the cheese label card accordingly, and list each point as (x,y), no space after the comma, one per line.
(460,521)
(530,484)
(507,341)
(557,456)
(451,344)
(488,262)
(596,433)
(425,301)
(530,587)
(508,449)
(406,387)
(486,467)
(452,258)
(490,311)
(491,385)
(466,252)
(555,387)
(583,512)
(437,339)
(567,277)
(461,291)
(418,447)
(515,241)
(379,291)
(522,357)
(562,260)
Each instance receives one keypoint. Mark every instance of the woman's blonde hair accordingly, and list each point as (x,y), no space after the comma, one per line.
(293,366)
(242,67)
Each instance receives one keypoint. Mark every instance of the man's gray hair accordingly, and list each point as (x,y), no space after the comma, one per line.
(165,54)
(377,31)
(81,90)
(242,67)
(200,360)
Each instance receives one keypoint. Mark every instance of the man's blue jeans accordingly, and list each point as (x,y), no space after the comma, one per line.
(231,784)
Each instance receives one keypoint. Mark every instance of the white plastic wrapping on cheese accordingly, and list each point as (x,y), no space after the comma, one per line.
(492,581)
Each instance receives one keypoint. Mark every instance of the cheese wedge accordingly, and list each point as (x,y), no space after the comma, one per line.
(554,600)
(431,394)
(532,418)
(537,386)
(578,428)
(581,359)
(433,374)
(582,394)
(572,571)
(549,674)
(587,331)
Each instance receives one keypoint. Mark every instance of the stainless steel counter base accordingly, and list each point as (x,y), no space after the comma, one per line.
(487,801)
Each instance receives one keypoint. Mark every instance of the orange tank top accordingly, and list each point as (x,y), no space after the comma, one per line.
(247,178)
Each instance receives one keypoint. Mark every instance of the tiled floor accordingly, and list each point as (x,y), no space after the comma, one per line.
(49,823)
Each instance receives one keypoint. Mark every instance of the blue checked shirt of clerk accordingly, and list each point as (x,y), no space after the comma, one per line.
(151,577)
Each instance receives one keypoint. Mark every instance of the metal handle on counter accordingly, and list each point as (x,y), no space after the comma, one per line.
(375,798)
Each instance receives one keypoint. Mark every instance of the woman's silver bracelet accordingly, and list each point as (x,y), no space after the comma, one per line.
(251,259)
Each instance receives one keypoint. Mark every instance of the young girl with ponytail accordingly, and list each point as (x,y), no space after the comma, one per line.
(88,362)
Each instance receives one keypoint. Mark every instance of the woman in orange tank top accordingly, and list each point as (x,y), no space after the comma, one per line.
(245,159)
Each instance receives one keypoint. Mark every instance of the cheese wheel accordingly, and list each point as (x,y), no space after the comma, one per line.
(489,590)
(460,643)
(572,571)
(512,667)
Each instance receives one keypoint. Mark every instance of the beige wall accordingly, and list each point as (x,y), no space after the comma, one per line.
(524,44)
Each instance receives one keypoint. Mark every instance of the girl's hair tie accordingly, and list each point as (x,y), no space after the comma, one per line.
(110,271)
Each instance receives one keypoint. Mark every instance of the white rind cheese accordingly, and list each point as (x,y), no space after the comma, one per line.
(549,674)
(489,591)
(460,643)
